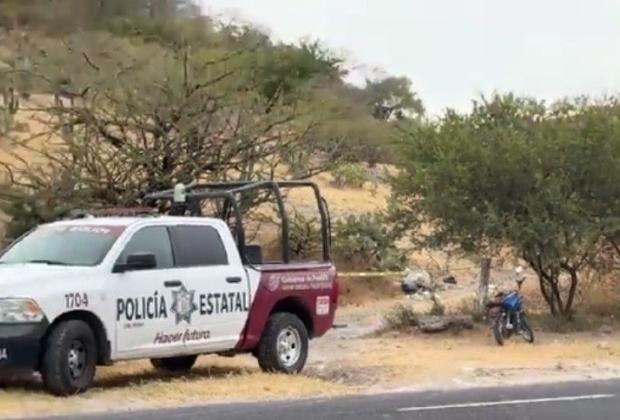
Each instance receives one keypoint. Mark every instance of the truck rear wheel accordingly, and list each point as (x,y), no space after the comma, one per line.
(70,358)
(284,345)
(174,364)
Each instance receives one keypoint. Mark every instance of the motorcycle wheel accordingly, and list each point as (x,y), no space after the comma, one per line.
(526,331)
(498,330)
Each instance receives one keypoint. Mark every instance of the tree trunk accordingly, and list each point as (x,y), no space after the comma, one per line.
(547,294)
(567,310)
(483,291)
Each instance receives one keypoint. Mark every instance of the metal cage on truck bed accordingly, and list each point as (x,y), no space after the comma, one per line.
(188,200)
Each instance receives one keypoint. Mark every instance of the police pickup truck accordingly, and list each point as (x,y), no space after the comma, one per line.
(84,292)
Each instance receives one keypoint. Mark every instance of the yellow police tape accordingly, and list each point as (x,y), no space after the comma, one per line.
(394,273)
(374,274)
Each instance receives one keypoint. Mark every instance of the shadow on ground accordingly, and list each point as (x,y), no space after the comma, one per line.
(107,380)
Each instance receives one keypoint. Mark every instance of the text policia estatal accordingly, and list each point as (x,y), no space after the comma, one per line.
(156,307)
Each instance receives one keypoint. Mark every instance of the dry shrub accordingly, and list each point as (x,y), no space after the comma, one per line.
(438,308)
(468,306)
(578,323)
(365,290)
(598,303)
(401,317)
(600,296)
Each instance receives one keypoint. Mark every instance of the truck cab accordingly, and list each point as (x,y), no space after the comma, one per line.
(168,287)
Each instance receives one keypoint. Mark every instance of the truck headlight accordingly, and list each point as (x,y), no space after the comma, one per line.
(13,311)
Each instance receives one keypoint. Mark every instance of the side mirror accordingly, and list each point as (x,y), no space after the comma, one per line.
(136,262)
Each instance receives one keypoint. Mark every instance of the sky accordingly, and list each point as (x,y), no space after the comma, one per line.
(456,50)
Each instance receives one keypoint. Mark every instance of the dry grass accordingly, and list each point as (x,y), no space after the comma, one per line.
(467,306)
(133,385)
(367,290)
(418,361)
(602,300)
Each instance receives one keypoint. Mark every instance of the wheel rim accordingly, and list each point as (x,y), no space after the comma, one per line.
(289,346)
(76,359)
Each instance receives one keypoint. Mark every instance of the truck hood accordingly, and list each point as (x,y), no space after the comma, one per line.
(27,280)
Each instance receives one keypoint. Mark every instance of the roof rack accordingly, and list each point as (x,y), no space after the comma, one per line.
(113,212)
(187,199)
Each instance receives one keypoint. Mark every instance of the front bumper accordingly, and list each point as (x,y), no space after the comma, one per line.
(20,345)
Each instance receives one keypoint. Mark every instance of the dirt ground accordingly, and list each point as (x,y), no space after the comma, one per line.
(469,358)
(352,358)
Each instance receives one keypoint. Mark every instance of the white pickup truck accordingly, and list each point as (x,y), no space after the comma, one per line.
(80,293)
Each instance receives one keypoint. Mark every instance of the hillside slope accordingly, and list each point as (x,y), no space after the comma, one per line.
(372,197)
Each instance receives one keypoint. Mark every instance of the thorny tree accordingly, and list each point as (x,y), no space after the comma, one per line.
(126,120)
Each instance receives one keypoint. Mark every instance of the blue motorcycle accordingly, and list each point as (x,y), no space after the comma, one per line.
(507,317)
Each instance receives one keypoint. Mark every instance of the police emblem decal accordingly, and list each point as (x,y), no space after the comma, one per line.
(183,304)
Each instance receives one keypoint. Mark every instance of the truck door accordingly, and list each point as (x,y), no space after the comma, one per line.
(145,325)
(215,286)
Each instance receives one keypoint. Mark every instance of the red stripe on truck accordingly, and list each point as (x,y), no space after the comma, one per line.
(310,288)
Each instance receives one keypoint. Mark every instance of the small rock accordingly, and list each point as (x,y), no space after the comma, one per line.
(419,277)
(431,324)
(606,329)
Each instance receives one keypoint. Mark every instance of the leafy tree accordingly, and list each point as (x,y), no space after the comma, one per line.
(65,16)
(347,121)
(280,70)
(392,98)
(541,180)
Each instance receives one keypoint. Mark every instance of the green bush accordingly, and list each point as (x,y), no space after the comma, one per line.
(368,241)
(304,235)
(349,175)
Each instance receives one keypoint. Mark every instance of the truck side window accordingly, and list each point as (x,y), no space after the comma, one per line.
(153,240)
(198,246)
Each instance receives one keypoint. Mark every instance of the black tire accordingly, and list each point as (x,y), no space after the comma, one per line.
(282,325)
(498,330)
(70,359)
(526,331)
(174,364)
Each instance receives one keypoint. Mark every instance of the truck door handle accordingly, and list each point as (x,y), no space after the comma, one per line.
(233,279)
(173,283)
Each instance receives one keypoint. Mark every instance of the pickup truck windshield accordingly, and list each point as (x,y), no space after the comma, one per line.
(76,245)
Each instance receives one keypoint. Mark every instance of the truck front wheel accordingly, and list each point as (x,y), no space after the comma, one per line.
(70,358)
(174,364)
(284,345)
